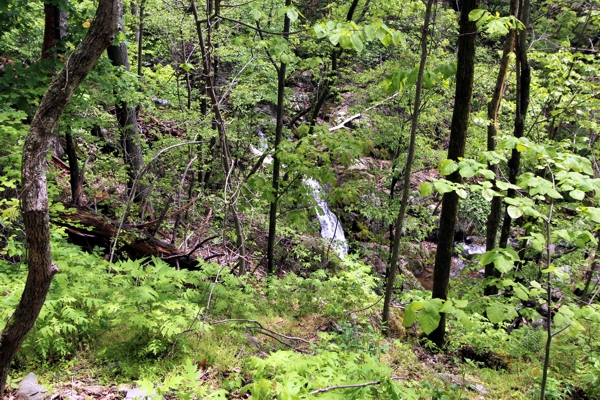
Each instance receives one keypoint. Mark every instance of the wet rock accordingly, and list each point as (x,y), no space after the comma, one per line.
(30,390)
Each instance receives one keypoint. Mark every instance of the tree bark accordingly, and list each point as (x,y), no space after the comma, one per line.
(322,96)
(127,119)
(522,103)
(391,276)
(493,222)
(456,149)
(276,159)
(55,29)
(219,121)
(34,197)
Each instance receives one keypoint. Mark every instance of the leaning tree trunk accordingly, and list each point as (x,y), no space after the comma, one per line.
(522,103)
(276,159)
(219,121)
(34,197)
(391,276)
(495,214)
(127,119)
(456,149)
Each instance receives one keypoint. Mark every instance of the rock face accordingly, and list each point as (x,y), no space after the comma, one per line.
(30,390)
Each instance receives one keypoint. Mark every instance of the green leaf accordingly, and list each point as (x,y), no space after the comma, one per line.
(503,264)
(577,194)
(357,44)
(345,42)
(370,32)
(425,189)
(335,38)
(475,15)
(514,212)
(488,194)
(429,318)
(521,292)
(292,14)
(410,315)
(462,193)
(496,313)
(256,14)
(466,172)
(446,167)
(386,40)
(487,174)
(461,303)
(447,307)
(429,79)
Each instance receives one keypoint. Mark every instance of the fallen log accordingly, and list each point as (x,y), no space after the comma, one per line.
(88,230)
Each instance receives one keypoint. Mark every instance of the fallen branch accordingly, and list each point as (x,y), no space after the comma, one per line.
(355,385)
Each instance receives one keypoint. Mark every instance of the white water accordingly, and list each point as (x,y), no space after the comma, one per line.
(331,229)
(263,145)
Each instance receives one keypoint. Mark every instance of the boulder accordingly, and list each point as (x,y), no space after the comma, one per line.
(30,390)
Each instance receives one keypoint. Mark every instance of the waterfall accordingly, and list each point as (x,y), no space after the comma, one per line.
(331,228)
(263,145)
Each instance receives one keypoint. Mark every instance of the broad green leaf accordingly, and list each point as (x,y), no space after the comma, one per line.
(429,319)
(521,293)
(345,42)
(370,32)
(487,174)
(292,14)
(256,14)
(461,303)
(577,194)
(466,172)
(488,194)
(447,307)
(443,186)
(464,319)
(514,212)
(335,38)
(410,316)
(462,193)
(503,264)
(425,189)
(475,15)
(446,167)
(429,79)
(357,43)
(496,313)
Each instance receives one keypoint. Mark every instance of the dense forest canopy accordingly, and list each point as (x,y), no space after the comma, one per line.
(300,199)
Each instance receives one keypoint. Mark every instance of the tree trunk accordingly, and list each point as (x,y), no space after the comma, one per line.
(522,103)
(391,276)
(321,96)
(34,198)
(276,160)
(224,142)
(73,168)
(495,215)
(456,149)
(127,119)
(55,29)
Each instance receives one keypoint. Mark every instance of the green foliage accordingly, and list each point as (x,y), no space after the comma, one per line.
(327,293)
(290,375)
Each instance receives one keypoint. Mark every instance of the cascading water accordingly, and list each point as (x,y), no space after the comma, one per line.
(263,145)
(331,229)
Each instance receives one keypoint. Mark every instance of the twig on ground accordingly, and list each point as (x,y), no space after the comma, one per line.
(355,385)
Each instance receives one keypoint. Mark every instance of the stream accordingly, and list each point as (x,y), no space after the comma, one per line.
(331,228)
